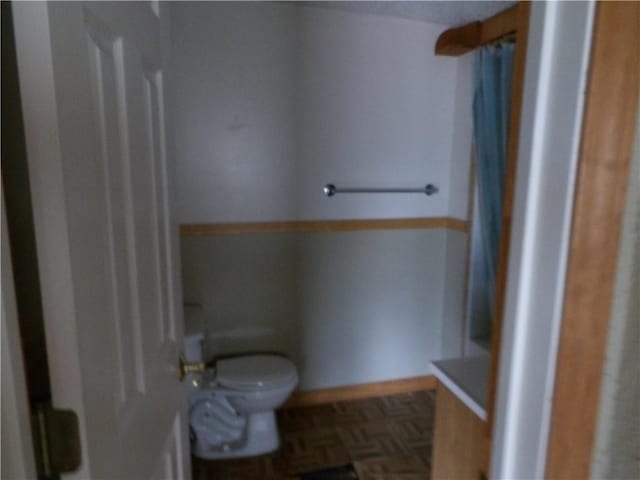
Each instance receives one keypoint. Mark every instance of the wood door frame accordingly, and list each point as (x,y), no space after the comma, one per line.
(556,67)
(605,153)
(598,178)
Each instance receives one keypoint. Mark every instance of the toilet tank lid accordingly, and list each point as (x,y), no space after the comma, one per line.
(255,371)
(193,338)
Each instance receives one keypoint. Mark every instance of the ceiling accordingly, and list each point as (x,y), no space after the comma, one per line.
(450,13)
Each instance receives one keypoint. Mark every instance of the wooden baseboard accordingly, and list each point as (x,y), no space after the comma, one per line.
(364,390)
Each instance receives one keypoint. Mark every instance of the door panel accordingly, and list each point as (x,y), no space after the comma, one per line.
(154,94)
(172,466)
(95,81)
(105,54)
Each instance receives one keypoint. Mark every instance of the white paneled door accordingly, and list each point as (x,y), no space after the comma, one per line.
(93,79)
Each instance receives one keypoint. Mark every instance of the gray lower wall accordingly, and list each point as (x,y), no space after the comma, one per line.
(347,308)
(453,325)
(246,289)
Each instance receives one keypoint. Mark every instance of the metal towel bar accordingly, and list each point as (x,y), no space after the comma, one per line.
(330,190)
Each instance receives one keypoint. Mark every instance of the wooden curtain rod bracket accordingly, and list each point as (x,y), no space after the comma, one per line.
(460,40)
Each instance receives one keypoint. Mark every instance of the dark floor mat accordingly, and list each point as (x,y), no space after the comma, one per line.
(346,472)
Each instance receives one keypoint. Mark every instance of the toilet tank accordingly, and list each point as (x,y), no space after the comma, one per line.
(193,345)
(242,340)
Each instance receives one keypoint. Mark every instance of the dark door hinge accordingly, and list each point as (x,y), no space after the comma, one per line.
(57,438)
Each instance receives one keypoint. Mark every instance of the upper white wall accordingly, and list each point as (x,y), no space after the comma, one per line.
(461,134)
(273,101)
(234,119)
(376,108)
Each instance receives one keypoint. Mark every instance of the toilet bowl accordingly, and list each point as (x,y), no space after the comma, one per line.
(232,405)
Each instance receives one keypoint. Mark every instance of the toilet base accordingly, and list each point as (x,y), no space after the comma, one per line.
(262,437)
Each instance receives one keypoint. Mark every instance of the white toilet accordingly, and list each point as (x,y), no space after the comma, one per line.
(231,406)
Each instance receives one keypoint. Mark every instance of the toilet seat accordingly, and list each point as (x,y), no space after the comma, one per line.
(255,372)
(232,406)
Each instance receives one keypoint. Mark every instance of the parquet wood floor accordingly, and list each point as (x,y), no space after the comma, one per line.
(386,438)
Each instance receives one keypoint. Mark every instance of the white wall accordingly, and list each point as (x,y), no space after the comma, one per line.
(376,108)
(244,289)
(461,143)
(371,305)
(453,308)
(273,101)
(234,123)
(457,252)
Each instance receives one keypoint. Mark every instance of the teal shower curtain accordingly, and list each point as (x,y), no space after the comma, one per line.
(492,79)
